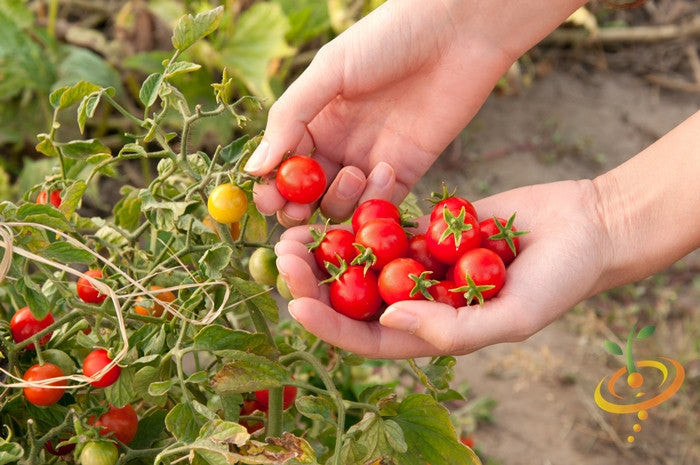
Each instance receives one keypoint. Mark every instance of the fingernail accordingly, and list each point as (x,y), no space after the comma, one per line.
(381,175)
(393,317)
(349,185)
(258,157)
(291,305)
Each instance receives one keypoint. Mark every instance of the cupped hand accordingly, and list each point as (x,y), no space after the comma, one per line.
(560,264)
(391,91)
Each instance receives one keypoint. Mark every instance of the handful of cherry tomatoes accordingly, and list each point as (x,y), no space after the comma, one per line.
(458,261)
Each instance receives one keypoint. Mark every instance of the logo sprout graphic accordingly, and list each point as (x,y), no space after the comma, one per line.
(644,396)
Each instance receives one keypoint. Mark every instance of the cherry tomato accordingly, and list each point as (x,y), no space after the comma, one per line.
(283,288)
(355,293)
(385,237)
(120,423)
(403,279)
(454,205)
(227,203)
(99,453)
(263,267)
(44,395)
(374,208)
(288,397)
(418,250)
(449,237)
(51,448)
(54,198)
(86,291)
(501,236)
(248,408)
(442,292)
(156,309)
(301,179)
(24,325)
(480,274)
(96,361)
(335,245)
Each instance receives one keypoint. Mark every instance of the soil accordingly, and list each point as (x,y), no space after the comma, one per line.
(570,125)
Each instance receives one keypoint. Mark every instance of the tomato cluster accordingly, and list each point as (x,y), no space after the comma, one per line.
(459,260)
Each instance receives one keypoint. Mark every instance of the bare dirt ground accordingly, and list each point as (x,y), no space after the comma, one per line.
(570,125)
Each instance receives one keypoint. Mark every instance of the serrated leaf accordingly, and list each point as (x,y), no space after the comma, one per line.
(225,432)
(189,29)
(143,379)
(149,89)
(181,67)
(394,436)
(163,214)
(81,149)
(316,408)
(122,392)
(440,371)
(71,197)
(215,259)
(613,348)
(248,372)
(63,252)
(33,296)
(127,211)
(645,332)
(160,388)
(134,150)
(184,423)
(65,97)
(43,214)
(256,295)
(216,337)
(233,151)
(46,146)
(10,452)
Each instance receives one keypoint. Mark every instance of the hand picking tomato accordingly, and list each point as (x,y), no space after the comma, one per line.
(262,398)
(96,361)
(386,239)
(501,236)
(333,246)
(47,394)
(355,293)
(300,179)
(24,325)
(227,203)
(156,309)
(479,274)
(99,453)
(54,198)
(86,291)
(374,208)
(404,279)
(450,236)
(120,423)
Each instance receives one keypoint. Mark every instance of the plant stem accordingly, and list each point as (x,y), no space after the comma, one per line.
(629,358)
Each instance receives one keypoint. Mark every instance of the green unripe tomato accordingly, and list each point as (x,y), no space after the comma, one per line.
(283,289)
(99,453)
(262,266)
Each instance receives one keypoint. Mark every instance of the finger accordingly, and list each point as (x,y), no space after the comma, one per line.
(294,214)
(300,233)
(300,278)
(299,104)
(380,183)
(267,198)
(367,339)
(343,193)
(300,250)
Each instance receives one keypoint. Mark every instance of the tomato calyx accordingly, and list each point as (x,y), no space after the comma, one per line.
(456,225)
(423,284)
(437,197)
(317,236)
(506,233)
(365,257)
(335,271)
(473,291)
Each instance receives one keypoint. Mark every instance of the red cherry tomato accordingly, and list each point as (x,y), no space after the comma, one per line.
(248,408)
(44,395)
(120,423)
(355,293)
(418,250)
(442,292)
(51,448)
(288,397)
(481,273)
(301,179)
(374,208)
(448,240)
(24,325)
(336,245)
(96,361)
(54,198)
(86,291)
(454,205)
(385,237)
(401,279)
(502,238)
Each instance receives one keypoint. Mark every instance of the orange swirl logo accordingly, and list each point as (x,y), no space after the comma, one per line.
(643,394)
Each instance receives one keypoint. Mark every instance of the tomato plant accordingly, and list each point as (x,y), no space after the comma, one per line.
(300,179)
(227,203)
(86,291)
(44,394)
(95,362)
(118,422)
(262,398)
(24,325)
(156,308)
(99,453)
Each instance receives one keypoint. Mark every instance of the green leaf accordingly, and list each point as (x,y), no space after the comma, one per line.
(81,149)
(43,214)
(316,408)
(60,359)
(10,452)
(235,150)
(216,337)
(160,388)
(645,332)
(151,428)
(78,64)
(394,436)
(226,432)
(63,252)
(189,29)
(71,197)
(120,393)
(256,295)
(164,214)
(127,212)
(46,146)
(258,39)
(215,259)
(613,348)
(149,89)
(33,296)
(143,379)
(440,371)
(180,67)
(248,372)
(65,97)
(184,423)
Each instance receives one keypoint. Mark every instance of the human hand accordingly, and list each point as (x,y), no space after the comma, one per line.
(561,263)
